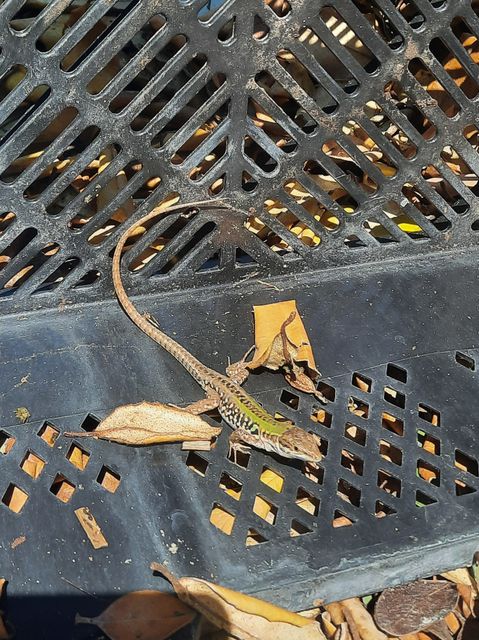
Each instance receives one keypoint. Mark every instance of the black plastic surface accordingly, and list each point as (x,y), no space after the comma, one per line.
(395,308)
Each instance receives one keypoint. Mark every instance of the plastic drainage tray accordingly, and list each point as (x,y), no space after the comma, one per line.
(349,138)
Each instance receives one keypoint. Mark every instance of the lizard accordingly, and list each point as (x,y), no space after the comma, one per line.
(252,425)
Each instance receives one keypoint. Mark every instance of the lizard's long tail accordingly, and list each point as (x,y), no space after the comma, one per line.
(197,369)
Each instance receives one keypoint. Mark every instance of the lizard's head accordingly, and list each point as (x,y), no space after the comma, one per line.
(298,444)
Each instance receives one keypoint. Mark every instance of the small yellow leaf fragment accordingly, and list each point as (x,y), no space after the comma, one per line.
(91,528)
(22,414)
(272,479)
(242,616)
(149,423)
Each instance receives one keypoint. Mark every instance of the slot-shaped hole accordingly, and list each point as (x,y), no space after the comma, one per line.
(393,424)
(429,414)
(362,382)
(307,502)
(32,464)
(49,434)
(390,130)
(88,279)
(398,373)
(460,168)
(394,91)
(395,397)
(428,472)
(281,8)
(197,463)
(272,479)
(108,479)
(260,28)
(322,416)
(358,407)
(265,509)
(77,456)
(313,473)
(369,148)
(90,423)
(465,361)
(408,225)
(389,452)
(354,242)
(463,489)
(14,498)
(6,442)
(340,519)
(352,462)
(378,231)
(444,188)
(389,483)
(257,154)
(433,87)
(56,30)
(355,433)
(454,68)
(466,463)
(264,121)
(428,443)
(348,492)
(62,488)
(230,486)
(382,509)
(222,519)
(253,538)
(313,207)
(326,182)
(289,399)
(423,499)
(298,529)
(352,171)
(380,22)
(426,207)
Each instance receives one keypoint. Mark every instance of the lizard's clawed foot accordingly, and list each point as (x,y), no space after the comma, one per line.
(238,372)
(236,446)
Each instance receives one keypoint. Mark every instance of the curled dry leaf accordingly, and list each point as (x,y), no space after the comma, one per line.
(281,342)
(142,615)
(244,617)
(360,622)
(150,423)
(414,606)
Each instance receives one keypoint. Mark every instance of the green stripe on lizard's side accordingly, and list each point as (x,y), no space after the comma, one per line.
(258,416)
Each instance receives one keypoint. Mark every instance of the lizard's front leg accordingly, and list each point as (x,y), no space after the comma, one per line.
(238,371)
(237,444)
(211,401)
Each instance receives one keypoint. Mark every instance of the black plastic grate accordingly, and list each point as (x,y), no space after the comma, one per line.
(347,132)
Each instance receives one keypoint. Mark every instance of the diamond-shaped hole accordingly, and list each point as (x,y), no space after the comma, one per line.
(108,479)
(254,537)
(341,520)
(393,424)
(322,416)
(465,463)
(362,382)
(352,462)
(429,414)
(395,397)
(327,390)
(49,434)
(32,464)
(230,486)
(239,458)
(196,463)
(298,529)
(389,483)
(348,492)
(389,452)
(261,29)
(78,457)
(382,509)
(465,361)
(290,399)
(62,488)
(354,433)
(428,472)
(313,473)
(307,501)
(423,500)
(463,489)
(222,519)
(90,423)
(6,442)
(358,407)
(265,509)
(398,373)
(14,498)
(428,443)
(272,479)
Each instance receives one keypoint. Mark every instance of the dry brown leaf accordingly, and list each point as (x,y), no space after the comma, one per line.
(414,606)
(91,528)
(281,342)
(360,621)
(244,617)
(4,635)
(149,423)
(142,615)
